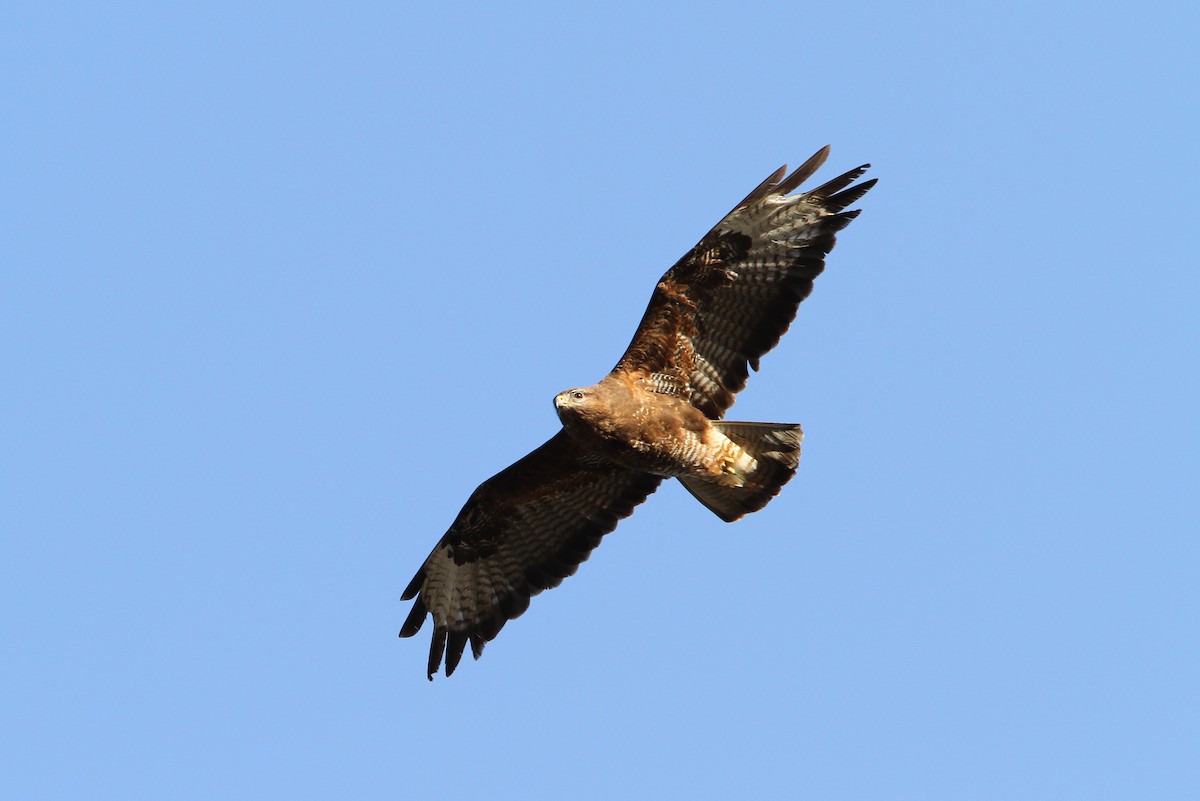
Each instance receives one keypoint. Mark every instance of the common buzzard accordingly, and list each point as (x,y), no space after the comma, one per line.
(657,414)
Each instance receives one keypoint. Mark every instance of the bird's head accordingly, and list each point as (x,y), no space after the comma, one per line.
(574,406)
(570,398)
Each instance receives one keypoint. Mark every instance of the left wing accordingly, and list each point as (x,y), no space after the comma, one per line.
(732,296)
(522,531)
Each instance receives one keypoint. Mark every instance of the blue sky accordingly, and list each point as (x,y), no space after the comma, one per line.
(281,285)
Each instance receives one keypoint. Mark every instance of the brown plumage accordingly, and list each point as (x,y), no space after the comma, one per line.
(657,414)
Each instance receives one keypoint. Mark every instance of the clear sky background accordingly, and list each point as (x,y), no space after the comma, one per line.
(280,285)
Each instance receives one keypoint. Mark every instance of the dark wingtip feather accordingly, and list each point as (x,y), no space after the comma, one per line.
(436,648)
(414,586)
(844,198)
(477,643)
(839,183)
(804,171)
(456,642)
(836,222)
(415,619)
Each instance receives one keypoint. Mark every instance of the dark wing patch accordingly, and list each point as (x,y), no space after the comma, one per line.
(522,531)
(729,300)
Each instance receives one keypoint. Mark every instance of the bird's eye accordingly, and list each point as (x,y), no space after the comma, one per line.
(577,395)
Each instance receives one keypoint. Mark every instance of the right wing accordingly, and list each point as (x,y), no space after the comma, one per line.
(522,531)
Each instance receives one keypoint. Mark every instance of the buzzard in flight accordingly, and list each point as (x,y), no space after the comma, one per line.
(657,414)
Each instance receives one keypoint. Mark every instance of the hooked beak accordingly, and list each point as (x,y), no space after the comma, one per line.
(563,399)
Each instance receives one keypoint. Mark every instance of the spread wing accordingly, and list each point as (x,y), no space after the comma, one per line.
(732,296)
(522,531)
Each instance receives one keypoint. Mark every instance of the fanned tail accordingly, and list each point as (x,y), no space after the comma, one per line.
(776,449)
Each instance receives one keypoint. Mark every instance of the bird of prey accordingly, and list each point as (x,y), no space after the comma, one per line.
(658,414)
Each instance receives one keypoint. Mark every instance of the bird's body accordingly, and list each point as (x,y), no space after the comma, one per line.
(658,414)
(634,426)
(632,422)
